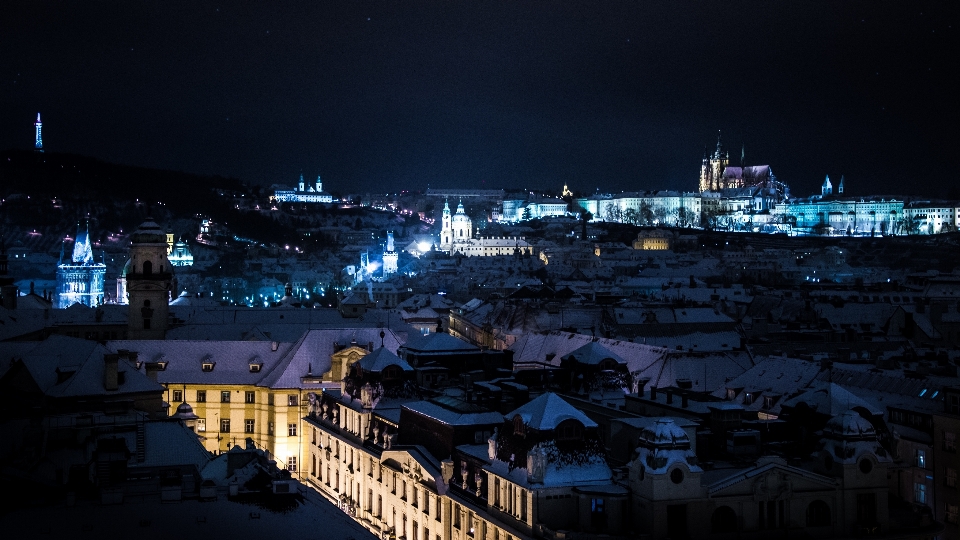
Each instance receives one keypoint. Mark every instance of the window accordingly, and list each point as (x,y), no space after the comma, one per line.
(207,367)
(919,493)
(250,397)
(292,463)
(949,441)
(818,514)
(921,458)
(177,396)
(951,477)
(254,368)
(724,520)
(269,399)
(225,396)
(201,396)
(292,430)
(225,425)
(269,428)
(248,426)
(951,513)
(292,400)
(456,517)
(201,425)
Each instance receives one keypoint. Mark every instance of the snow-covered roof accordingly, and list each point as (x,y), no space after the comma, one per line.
(438,342)
(547,411)
(592,354)
(379,359)
(449,416)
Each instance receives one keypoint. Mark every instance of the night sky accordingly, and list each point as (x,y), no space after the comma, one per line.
(383,96)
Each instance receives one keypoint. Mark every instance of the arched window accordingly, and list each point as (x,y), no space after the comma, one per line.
(818,514)
(518,426)
(147,268)
(607,364)
(724,520)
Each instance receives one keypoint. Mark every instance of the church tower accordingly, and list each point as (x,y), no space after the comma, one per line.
(390,256)
(149,278)
(446,231)
(711,170)
(301,187)
(38,141)
(827,187)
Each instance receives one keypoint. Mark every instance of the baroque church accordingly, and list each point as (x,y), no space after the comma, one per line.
(456,236)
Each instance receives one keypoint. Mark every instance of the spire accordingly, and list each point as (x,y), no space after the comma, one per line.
(446,206)
(460,207)
(840,186)
(719,146)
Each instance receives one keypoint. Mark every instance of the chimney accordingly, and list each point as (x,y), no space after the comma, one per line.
(684,401)
(274,345)
(653,393)
(110,373)
(370,346)
(152,369)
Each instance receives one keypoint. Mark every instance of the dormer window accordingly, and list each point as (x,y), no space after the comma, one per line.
(569,430)
(208,366)
(747,398)
(162,366)
(731,394)
(255,368)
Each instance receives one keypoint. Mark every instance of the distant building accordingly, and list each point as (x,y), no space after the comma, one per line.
(656,240)
(80,279)
(180,255)
(303,193)
(38,139)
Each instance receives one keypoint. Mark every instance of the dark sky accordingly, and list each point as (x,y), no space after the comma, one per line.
(390,95)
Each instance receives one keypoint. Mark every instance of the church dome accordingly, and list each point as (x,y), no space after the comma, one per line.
(461,216)
(149,233)
(851,426)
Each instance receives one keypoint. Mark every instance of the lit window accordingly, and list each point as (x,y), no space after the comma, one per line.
(292,400)
(225,396)
(201,424)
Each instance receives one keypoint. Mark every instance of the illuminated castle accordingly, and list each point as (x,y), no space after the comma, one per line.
(80,279)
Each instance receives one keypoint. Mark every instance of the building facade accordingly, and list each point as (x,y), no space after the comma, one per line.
(80,279)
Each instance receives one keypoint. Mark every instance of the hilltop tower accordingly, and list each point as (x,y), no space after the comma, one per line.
(38,141)
(148,277)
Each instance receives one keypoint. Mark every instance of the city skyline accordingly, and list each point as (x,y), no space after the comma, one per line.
(386,97)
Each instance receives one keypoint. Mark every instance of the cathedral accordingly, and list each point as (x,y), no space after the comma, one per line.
(711,171)
(80,279)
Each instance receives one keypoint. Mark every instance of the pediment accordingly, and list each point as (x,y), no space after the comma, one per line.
(771,480)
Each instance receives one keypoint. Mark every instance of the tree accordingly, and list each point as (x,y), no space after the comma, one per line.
(684,217)
(646,213)
(631,216)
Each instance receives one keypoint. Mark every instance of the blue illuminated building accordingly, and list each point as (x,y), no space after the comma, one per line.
(80,279)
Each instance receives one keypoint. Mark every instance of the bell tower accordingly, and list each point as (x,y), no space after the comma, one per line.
(149,278)
(446,229)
